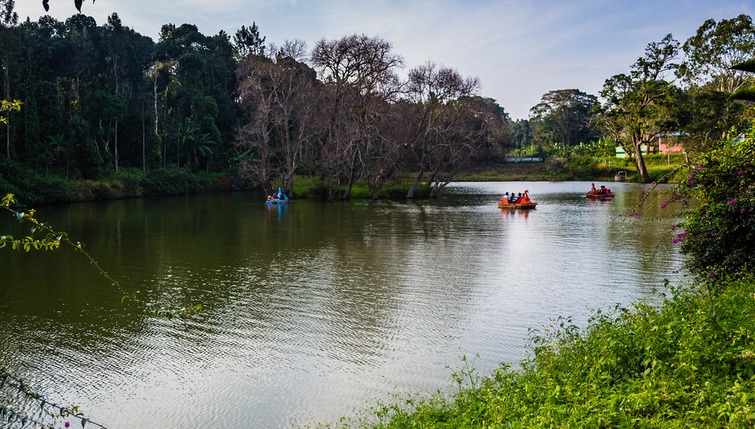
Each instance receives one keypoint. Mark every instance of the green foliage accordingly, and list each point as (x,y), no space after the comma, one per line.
(167,181)
(9,106)
(586,168)
(47,189)
(719,235)
(130,180)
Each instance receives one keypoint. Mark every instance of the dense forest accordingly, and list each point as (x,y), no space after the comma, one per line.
(101,99)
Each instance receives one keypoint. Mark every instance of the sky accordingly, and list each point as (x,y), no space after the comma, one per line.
(518,49)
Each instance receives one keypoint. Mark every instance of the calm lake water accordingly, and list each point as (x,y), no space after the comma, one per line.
(312,310)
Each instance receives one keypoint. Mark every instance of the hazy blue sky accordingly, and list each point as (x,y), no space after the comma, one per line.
(519,49)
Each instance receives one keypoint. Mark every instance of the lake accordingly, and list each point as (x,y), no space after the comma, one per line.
(314,310)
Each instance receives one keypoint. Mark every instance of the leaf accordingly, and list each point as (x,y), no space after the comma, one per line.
(78,4)
(45,4)
(748,66)
(744,94)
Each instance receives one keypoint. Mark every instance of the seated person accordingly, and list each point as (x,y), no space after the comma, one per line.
(526,197)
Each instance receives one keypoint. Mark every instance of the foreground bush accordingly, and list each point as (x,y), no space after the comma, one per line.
(719,235)
(687,364)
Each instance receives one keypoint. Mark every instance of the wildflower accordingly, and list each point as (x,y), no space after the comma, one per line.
(732,202)
(663,206)
(711,275)
(67,424)
(741,210)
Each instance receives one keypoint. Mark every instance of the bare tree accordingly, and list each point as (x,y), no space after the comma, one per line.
(359,74)
(279,94)
(434,90)
(294,100)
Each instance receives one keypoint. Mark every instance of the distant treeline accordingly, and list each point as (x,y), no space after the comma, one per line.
(100,98)
(97,99)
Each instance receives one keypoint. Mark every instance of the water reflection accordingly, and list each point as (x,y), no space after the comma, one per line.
(313,309)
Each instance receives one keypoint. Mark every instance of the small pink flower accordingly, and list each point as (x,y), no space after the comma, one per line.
(732,202)
(67,424)
(711,275)
(663,206)
(741,210)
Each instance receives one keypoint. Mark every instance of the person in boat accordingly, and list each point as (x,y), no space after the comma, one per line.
(518,198)
(280,195)
(505,198)
(512,198)
(525,198)
(603,190)
(593,190)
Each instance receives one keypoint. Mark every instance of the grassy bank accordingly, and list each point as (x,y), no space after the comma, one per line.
(689,363)
(34,188)
(660,168)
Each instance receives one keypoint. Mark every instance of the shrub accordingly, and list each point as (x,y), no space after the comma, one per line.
(131,182)
(167,181)
(719,235)
(48,189)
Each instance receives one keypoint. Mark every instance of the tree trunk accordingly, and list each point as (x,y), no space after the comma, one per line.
(115,147)
(352,170)
(410,194)
(639,162)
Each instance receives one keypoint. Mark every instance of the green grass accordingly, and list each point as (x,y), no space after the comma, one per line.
(689,363)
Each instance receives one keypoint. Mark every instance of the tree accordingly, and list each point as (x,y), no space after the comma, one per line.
(8,16)
(709,74)
(255,138)
(194,75)
(564,117)
(521,134)
(476,128)
(247,41)
(713,51)
(359,76)
(747,93)
(8,19)
(639,106)
(433,91)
